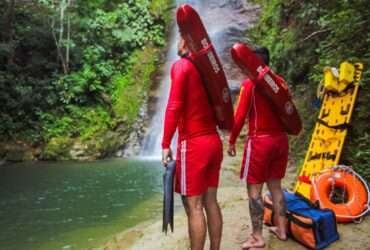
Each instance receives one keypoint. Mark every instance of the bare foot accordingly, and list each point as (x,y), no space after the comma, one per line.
(278,234)
(254,242)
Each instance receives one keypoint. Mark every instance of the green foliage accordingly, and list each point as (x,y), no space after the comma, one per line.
(27,66)
(160,9)
(108,37)
(305,36)
(84,123)
(110,54)
(131,87)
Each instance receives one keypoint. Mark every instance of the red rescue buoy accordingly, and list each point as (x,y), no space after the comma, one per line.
(276,91)
(204,56)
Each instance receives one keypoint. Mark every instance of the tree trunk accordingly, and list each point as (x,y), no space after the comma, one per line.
(7,29)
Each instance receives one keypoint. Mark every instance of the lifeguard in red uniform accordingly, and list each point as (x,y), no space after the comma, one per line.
(265,155)
(199,151)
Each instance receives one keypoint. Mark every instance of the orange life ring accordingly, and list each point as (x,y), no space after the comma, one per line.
(356,192)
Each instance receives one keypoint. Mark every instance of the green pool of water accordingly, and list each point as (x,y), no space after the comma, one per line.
(75,205)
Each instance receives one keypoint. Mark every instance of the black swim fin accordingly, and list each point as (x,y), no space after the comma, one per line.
(168,199)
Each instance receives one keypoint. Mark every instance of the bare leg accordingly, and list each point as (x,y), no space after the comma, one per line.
(196,221)
(279,208)
(256,215)
(214,218)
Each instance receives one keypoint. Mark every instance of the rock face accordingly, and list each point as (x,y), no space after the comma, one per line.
(57,149)
(79,152)
(17,152)
(65,148)
(238,17)
(132,145)
(96,148)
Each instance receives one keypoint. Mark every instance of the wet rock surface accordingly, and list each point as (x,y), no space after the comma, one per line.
(132,145)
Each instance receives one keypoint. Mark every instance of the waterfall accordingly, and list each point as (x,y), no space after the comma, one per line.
(226,22)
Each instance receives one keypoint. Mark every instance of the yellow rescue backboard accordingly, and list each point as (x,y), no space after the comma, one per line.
(341,89)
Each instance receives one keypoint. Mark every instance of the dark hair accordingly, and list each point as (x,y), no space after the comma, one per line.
(263,53)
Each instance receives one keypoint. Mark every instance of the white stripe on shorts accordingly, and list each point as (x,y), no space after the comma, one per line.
(247,159)
(183,167)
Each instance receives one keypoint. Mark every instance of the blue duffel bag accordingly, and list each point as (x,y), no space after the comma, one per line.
(312,227)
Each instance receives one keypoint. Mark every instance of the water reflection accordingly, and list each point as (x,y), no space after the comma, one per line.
(51,206)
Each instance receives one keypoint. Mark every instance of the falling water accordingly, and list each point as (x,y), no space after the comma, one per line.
(226,22)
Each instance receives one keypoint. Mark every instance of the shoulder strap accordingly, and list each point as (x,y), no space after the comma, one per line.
(187,57)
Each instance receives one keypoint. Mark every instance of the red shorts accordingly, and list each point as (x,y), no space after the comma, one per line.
(198,164)
(265,158)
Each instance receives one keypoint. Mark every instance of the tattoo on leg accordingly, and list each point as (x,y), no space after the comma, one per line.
(256,213)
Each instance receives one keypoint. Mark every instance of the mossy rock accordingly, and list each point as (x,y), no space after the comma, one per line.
(16,152)
(19,155)
(105,145)
(58,149)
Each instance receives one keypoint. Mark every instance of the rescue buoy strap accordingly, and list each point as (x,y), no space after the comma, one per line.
(202,51)
(191,58)
(262,73)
